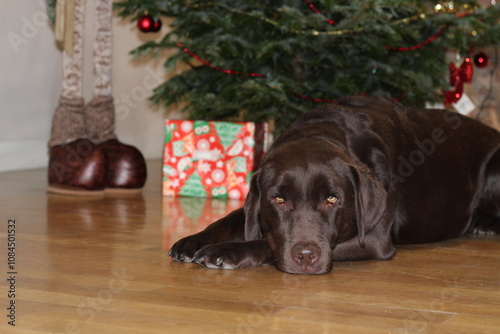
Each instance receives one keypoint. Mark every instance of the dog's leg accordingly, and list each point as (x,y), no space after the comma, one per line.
(487,216)
(234,255)
(352,251)
(378,246)
(485,224)
(229,228)
(222,245)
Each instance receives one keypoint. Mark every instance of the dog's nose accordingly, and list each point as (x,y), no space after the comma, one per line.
(306,254)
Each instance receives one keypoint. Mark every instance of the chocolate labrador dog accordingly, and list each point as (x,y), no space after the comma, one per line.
(349,180)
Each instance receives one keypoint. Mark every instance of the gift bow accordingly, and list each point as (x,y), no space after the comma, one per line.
(458,76)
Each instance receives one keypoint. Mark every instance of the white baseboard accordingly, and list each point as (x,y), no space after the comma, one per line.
(25,154)
(32,154)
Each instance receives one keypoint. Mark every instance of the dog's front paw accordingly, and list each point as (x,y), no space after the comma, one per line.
(223,255)
(184,249)
(234,255)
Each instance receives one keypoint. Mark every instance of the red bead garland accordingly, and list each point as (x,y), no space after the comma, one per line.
(307,98)
(420,45)
(220,69)
(316,10)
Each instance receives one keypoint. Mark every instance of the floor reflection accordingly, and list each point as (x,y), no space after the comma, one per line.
(95,214)
(183,216)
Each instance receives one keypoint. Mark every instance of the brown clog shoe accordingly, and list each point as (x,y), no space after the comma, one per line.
(127,170)
(78,168)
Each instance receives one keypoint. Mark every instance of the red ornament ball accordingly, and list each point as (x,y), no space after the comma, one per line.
(156,25)
(481,59)
(145,23)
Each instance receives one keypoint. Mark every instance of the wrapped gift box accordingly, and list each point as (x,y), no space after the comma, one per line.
(211,158)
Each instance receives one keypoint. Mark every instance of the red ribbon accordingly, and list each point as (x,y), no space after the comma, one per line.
(458,76)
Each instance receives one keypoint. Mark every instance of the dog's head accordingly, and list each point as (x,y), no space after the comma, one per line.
(308,197)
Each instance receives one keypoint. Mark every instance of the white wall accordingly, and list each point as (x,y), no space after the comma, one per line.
(30,84)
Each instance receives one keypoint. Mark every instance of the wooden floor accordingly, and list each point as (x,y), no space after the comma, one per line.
(101,266)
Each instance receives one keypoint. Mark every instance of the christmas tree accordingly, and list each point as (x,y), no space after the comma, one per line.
(193,187)
(273,60)
(227,132)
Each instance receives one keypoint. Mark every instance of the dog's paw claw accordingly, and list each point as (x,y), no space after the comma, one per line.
(179,257)
(197,259)
(185,249)
(203,261)
(225,255)
(208,257)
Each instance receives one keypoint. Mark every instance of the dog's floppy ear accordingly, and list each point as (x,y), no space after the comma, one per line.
(252,210)
(371,198)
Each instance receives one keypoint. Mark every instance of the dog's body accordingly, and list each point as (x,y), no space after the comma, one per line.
(349,180)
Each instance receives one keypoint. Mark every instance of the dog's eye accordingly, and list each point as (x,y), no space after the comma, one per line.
(332,200)
(279,200)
